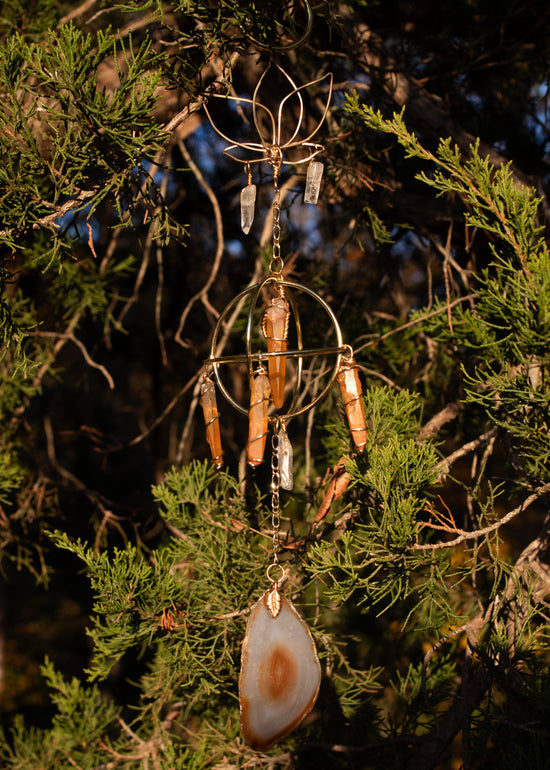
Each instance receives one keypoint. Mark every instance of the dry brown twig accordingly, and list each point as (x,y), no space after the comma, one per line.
(466,536)
(77,13)
(160,281)
(376,339)
(66,336)
(202,294)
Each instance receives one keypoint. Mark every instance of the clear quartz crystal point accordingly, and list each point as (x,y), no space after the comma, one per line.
(313,181)
(286,460)
(248,201)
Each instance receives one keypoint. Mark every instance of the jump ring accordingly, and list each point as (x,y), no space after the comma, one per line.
(280,578)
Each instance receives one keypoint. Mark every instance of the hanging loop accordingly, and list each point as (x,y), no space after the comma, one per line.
(281,576)
(295,43)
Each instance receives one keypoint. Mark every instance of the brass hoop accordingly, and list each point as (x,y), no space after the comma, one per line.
(295,43)
(249,357)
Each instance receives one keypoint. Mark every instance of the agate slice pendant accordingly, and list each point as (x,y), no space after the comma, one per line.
(275,330)
(211,419)
(314,176)
(350,386)
(280,671)
(257,416)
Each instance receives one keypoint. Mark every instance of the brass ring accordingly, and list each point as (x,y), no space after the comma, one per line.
(275,565)
(289,46)
(214,361)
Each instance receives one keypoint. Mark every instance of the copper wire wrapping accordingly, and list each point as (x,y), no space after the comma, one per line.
(257,416)
(275,330)
(211,420)
(350,386)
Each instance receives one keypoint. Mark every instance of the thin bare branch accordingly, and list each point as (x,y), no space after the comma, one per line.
(80,345)
(434,425)
(63,337)
(464,536)
(77,12)
(203,293)
(445,464)
(165,412)
(415,321)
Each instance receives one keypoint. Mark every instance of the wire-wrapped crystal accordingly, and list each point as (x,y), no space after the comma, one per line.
(286,460)
(248,201)
(313,181)
(211,419)
(350,386)
(275,329)
(257,416)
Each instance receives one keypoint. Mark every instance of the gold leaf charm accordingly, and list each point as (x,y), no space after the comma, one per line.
(273,601)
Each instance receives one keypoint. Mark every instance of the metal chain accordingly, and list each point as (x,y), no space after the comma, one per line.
(276,263)
(275,499)
(275,161)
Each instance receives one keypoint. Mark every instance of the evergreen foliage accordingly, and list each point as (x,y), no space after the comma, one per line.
(420,565)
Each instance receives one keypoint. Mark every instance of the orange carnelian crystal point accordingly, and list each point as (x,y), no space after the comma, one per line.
(257,416)
(350,386)
(275,328)
(211,419)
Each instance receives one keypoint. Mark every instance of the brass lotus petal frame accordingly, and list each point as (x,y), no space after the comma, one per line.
(265,147)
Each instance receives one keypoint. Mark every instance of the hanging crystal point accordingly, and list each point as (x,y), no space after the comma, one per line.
(313,181)
(275,328)
(211,419)
(350,385)
(257,417)
(280,673)
(286,460)
(248,201)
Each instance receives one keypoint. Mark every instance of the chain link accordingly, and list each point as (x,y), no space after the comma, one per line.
(275,499)
(276,231)
(275,160)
